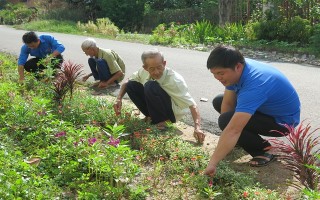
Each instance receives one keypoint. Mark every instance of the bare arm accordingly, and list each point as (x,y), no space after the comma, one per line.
(55,53)
(227,140)
(21,73)
(84,78)
(229,101)
(198,134)
(115,77)
(118,104)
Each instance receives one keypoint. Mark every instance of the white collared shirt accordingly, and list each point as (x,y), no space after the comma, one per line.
(174,85)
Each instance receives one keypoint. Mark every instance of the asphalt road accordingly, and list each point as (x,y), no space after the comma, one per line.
(190,64)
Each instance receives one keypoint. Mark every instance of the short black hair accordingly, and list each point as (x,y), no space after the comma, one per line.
(30,37)
(224,57)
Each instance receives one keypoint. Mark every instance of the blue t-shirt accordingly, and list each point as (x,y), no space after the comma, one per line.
(48,45)
(264,89)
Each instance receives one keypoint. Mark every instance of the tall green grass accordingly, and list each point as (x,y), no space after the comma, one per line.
(51,26)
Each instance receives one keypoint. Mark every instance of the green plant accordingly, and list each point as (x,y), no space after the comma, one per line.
(299,152)
(16,14)
(71,73)
(103,26)
(315,39)
(200,31)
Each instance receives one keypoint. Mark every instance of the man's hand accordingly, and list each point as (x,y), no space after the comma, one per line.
(85,78)
(117,107)
(21,80)
(103,84)
(199,135)
(210,170)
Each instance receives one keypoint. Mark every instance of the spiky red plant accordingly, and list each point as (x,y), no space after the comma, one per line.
(299,151)
(71,72)
(60,88)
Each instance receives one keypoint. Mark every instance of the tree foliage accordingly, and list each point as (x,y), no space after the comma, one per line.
(127,15)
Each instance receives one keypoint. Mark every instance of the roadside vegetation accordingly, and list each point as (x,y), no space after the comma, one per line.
(289,27)
(61,145)
(59,142)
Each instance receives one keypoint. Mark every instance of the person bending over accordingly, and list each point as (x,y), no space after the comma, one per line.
(258,101)
(106,65)
(42,47)
(160,93)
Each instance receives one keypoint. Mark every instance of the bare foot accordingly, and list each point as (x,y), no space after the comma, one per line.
(96,84)
(103,84)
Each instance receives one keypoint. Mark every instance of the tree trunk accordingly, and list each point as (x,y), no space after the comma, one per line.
(225,11)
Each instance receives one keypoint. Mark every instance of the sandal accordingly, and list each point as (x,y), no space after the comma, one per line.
(162,126)
(262,160)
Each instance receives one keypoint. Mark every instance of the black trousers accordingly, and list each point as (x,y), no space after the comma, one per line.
(32,64)
(151,100)
(259,124)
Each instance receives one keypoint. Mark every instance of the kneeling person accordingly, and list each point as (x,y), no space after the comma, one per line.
(42,47)
(105,64)
(160,93)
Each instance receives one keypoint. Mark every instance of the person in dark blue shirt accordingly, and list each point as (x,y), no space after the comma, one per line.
(258,100)
(45,46)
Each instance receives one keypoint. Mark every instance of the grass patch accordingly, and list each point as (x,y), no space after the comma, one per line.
(50,26)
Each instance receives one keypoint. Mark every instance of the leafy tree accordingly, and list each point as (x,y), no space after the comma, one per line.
(161,5)
(127,15)
(2,4)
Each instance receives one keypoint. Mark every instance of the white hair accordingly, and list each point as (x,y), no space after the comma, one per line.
(88,43)
(151,53)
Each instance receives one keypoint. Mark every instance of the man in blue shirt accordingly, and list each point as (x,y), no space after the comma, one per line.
(45,46)
(258,100)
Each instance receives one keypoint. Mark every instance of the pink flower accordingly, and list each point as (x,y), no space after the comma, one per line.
(60,134)
(91,141)
(210,183)
(113,142)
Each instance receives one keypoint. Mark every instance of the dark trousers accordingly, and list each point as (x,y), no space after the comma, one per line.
(32,64)
(259,124)
(100,69)
(151,100)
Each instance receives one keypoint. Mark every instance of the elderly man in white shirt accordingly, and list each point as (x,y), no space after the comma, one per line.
(160,93)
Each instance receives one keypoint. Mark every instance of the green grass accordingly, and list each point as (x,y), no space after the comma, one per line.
(51,26)
(70,27)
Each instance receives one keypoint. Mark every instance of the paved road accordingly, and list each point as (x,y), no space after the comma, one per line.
(190,64)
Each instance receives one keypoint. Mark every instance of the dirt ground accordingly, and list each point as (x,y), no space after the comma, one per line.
(274,176)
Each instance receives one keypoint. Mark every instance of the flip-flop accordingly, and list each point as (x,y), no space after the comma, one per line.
(262,160)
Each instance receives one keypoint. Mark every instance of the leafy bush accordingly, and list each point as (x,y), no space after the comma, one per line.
(16,14)
(297,30)
(268,30)
(102,25)
(200,31)
(294,30)
(168,35)
(315,39)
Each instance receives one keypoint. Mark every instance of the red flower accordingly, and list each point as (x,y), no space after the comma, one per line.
(245,194)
